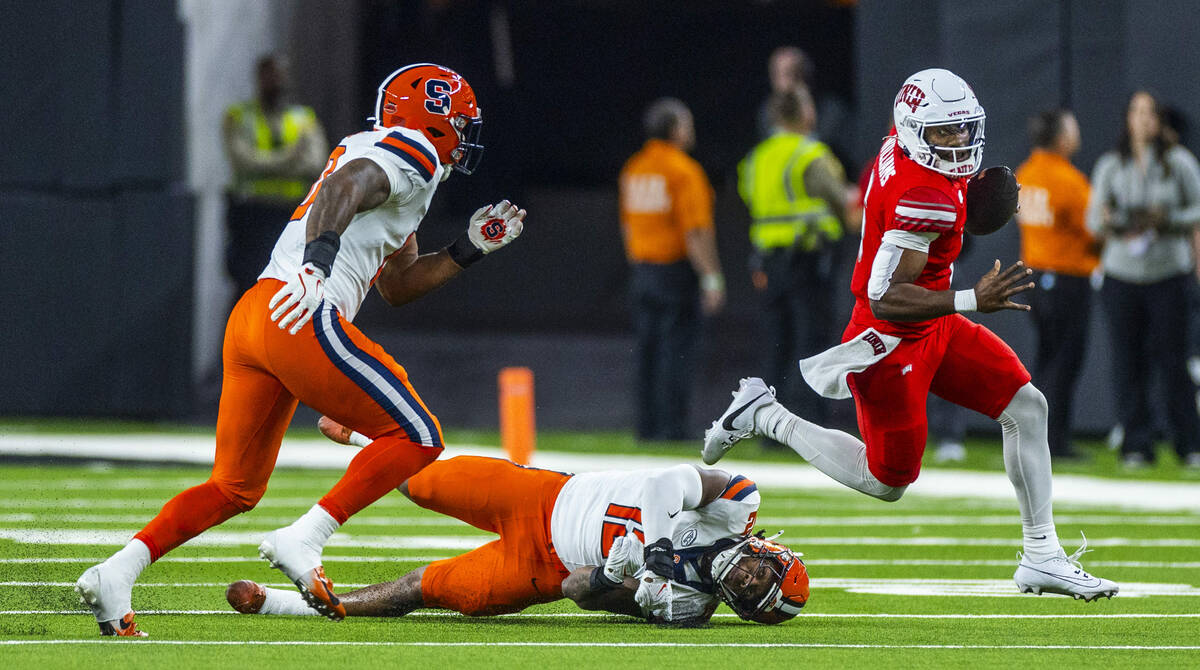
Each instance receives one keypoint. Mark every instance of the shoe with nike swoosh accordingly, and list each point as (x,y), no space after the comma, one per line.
(1064,575)
(737,423)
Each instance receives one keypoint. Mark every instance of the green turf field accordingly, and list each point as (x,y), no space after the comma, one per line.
(918,583)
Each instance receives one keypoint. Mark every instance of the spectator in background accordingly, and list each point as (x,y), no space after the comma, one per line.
(795,190)
(1057,246)
(1145,202)
(666,206)
(276,151)
(787,68)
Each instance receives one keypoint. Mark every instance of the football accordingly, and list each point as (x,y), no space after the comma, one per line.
(991,200)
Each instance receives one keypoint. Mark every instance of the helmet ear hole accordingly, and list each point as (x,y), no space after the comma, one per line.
(434,131)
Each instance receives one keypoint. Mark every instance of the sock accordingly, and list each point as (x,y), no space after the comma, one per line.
(185,516)
(1027,462)
(286,602)
(127,564)
(380,467)
(316,525)
(839,455)
(1041,542)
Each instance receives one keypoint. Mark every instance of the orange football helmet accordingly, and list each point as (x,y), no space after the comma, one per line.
(438,102)
(761,580)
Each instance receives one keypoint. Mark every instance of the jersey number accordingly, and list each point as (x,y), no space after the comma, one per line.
(312,192)
(437,96)
(618,521)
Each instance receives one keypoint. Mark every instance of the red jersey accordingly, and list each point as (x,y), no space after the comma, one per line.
(903,195)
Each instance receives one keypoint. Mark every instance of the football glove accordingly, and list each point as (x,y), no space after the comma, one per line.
(302,295)
(624,559)
(490,227)
(653,596)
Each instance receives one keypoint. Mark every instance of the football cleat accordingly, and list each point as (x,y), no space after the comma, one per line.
(110,603)
(737,423)
(246,596)
(302,564)
(1062,574)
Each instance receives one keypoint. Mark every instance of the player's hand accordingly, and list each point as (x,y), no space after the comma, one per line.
(994,289)
(495,226)
(653,596)
(624,558)
(341,434)
(299,298)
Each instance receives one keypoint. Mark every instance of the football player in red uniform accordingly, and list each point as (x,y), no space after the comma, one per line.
(907,337)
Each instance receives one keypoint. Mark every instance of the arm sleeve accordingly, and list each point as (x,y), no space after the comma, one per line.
(693,204)
(667,493)
(888,257)
(1102,193)
(1186,170)
(923,209)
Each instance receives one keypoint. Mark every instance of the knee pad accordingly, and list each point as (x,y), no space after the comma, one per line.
(1027,407)
(239,494)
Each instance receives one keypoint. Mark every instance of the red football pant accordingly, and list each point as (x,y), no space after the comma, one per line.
(959,360)
(329,366)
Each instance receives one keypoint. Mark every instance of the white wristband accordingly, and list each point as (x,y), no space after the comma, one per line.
(964,301)
(712,282)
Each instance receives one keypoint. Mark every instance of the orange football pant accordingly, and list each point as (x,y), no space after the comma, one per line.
(330,366)
(506,575)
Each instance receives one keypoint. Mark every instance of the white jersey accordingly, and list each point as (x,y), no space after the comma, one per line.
(595,508)
(413,171)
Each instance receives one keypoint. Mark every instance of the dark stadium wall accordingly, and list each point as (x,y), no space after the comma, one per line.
(95,225)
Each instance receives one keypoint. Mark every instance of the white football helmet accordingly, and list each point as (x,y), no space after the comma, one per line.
(938,97)
(761,580)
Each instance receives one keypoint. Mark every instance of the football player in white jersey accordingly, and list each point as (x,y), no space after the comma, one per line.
(290,338)
(584,537)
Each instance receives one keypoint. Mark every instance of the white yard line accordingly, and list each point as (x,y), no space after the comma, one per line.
(934,482)
(721,615)
(919,562)
(983,588)
(233,538)
(55,517)
(628,645)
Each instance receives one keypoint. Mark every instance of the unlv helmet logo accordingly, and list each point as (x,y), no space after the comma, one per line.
(911,95)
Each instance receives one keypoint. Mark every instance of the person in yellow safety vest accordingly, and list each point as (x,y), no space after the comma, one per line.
(795,190)
(276,151)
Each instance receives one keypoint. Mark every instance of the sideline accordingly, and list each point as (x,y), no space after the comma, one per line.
(319,453)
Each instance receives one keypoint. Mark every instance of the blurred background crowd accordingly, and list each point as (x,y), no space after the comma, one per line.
(157,148)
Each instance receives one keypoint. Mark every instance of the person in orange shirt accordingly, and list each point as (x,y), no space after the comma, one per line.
(666,205)
(1057,245)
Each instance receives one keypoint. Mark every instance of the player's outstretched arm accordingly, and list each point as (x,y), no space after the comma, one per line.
(899,299)
(581,587)
(408,276)
(387,599)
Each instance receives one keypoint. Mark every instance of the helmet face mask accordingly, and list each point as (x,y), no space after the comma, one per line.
(438,102)
(752,576)
(932,107)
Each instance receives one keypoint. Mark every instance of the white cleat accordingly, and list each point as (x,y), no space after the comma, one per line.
(110,601)
(1064,575)
(737,423)
(301,562)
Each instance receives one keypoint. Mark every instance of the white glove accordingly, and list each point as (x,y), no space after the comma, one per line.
(653,595)
(494,226)
(305,292)
(624,558)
